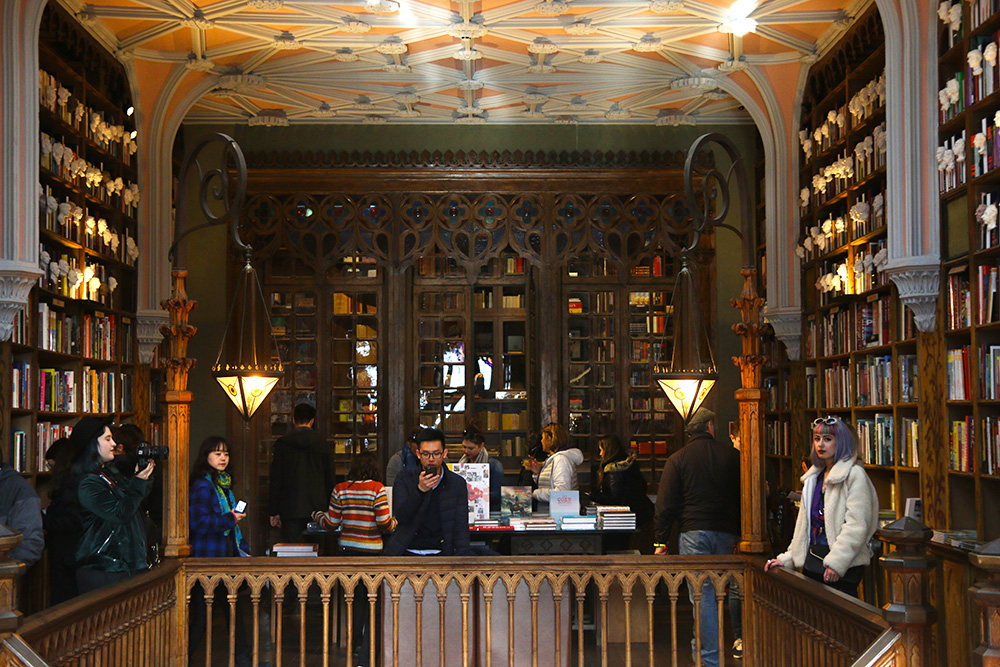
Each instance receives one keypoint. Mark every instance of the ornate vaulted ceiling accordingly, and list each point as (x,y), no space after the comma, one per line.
(438,61)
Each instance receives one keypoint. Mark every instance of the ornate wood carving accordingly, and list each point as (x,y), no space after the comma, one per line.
(986,595)
(908,568)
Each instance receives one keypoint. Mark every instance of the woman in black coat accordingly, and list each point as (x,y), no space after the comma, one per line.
(620,482)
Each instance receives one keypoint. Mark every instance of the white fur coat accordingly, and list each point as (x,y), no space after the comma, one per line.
(850,515)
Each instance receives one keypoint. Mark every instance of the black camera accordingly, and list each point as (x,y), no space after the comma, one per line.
(146,451)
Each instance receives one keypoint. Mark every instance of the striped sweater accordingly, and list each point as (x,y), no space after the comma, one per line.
(361,511)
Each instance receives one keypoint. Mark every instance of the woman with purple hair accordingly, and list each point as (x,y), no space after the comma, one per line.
(838,515)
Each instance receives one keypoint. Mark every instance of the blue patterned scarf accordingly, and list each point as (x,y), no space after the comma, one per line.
(226,500)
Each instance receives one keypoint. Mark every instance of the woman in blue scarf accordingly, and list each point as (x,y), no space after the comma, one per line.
(215,533)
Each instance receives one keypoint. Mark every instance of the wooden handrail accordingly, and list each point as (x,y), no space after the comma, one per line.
(885,652)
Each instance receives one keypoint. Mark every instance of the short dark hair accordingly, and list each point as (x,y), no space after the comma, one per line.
(364,466)
(303,414)
(473,435)
(430,435)
(413,435)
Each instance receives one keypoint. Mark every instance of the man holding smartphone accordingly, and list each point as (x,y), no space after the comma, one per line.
(431,504)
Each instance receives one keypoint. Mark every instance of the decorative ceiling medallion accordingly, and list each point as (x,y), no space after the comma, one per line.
(323,111)
(396,68)
(674,118)
(286,42)
(470,84)
(265,4)
(616,112)
(269,118)
(374,120)
(345,55)
(552,7)
(223,94)
(696,82)
(392,46)
(197,21)
(715,95)
(196,64)
(591,56)
(666,6)
(466,54)
(356,27)
(462,30)
(578,104)
(406,98)
(541,68)
(242,83)
(363,104)
(541,45)
(535,98)
(581,27)
(648,44)
(732,65)
(382,6)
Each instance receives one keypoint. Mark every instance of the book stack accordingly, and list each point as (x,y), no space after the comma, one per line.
(488,525)
(288,549)
(579,523)
(615,517)
(533,523)
(961,539)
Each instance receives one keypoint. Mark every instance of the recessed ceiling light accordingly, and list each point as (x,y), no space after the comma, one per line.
(738,21)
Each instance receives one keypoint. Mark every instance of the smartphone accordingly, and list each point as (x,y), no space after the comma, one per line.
(240,507)
(432,471)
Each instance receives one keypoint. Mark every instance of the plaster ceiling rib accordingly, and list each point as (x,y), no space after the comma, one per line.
(198,43)
(705,10)
(161,5)
(650,23)
(440,14)
(683,65)
(772,6)
(785,39)
(291,21)
(735,46)
(156,56)
(214,104)
(673,36)
(785,18)
(605,14)
(700,51)
(187,7)
(251,30)
(235,49)
(254,60)
(149,34)
(134,13)
(492,17)
(245,104)
(298,64)
(693,105)
(215,10)
(323,13)
(729,104)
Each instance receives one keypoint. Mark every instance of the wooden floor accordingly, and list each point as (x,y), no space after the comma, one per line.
(592,653)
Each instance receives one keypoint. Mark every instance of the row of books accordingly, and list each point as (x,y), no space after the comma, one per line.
(991,445)
(873,317)
(92,335)
(777,438)
(360,304)
(909,437)
(959,298)
(989,372)
(20,385)
(988,295)
(875,439)
(985,160)
(604,302)
(874,380)
(832,332)
(961,437)
(644,351)
(959,378)
(985,83)
(957,107)
(651,324)
(57,98)
(952,171)
(777,393)
(837,385)
(510,418)
(967,540)
(98,391)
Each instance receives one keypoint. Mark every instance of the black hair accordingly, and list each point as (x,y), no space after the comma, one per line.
(473,435)
(364,466)
(89,458)
(303,414)
(200,467)
(129,436)
(430,435)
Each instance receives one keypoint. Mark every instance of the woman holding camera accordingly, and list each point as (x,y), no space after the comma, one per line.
(113,544)
(215,533)
(839,512)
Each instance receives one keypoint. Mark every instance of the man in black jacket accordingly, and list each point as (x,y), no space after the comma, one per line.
(431,504)
(302,476)
(700,488)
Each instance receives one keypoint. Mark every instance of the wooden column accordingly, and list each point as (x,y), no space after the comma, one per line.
(932,356)
(751,398)
(548,305)
(908,568)
(177,406)
(986,595)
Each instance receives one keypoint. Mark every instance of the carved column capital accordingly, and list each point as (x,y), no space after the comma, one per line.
(787,325)
(918,280)
(150,323)
(16,280)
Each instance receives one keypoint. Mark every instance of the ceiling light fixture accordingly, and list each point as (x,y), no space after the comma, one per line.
(382,6)
(738,21)
(133,134)
(130,110)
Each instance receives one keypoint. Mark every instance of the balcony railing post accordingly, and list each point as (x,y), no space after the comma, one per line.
(986,595)
(908,567)
(10,617)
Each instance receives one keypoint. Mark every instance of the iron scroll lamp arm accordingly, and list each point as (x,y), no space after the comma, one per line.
(706,212)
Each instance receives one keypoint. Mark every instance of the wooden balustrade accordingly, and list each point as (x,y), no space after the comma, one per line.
(131,623)
(793,620)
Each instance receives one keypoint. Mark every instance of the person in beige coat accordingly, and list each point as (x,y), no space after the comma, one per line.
(838,515)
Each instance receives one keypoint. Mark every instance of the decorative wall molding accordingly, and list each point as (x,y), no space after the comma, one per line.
(787,325)
(468,159)
(149,334)
(16,281)
(918,280)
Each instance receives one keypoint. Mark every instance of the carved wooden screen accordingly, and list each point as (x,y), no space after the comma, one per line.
(506,309)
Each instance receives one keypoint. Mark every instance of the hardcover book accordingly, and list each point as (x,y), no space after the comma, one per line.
(515,500)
